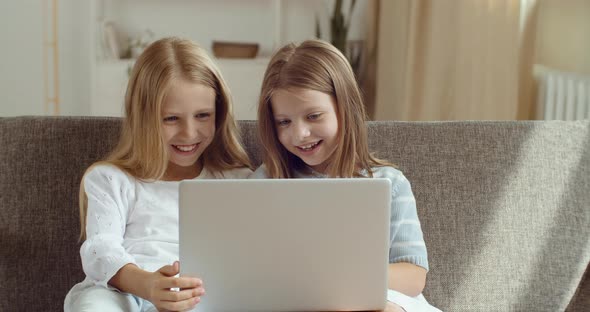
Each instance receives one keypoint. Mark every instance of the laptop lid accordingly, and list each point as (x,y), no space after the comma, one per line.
(286,244)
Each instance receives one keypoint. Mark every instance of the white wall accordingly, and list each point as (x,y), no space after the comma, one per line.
(21,59)
(563,35)
(75,56)
(21,67)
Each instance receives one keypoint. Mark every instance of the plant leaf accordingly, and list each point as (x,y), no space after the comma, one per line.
(318,32)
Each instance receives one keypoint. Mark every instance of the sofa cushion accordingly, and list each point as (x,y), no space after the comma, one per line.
(505,208)
(42,160)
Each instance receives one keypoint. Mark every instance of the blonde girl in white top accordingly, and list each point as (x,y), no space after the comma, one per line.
(178,125)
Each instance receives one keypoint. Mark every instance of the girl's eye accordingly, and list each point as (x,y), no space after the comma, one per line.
(283,122)
(203,115)
(314,116)
(170,118)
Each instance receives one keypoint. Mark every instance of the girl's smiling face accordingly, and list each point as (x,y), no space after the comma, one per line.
(307,125)
(188,126)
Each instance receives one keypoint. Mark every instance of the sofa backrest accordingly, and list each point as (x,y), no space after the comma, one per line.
(504,206)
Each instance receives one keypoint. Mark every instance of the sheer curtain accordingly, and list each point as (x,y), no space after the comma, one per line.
(453,60)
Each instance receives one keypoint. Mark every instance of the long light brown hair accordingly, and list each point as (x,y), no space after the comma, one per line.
(141,151)
(316,65)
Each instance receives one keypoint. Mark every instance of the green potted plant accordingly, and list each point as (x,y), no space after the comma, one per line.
(339,26)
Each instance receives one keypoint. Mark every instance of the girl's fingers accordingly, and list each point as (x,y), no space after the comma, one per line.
(180,305)
(169,270)
(179,282)
(181,295)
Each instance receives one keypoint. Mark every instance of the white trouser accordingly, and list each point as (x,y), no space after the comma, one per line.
(98,298)
(410,304)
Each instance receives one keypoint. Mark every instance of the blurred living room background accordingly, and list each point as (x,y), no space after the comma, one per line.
(414,59)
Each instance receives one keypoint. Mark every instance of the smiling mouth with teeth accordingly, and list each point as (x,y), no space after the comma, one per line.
(186,148)
(309,147)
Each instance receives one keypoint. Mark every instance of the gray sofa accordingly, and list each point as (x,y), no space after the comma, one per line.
(504,206)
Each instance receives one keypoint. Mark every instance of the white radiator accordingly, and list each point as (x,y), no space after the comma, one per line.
(562,95)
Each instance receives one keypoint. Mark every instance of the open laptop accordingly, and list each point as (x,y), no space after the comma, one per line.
(286,244)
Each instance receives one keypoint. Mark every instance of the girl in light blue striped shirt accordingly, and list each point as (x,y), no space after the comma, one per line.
(311,122)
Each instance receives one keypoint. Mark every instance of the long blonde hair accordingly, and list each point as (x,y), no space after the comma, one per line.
(316,65)
(141,151)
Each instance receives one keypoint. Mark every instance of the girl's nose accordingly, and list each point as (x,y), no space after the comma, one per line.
(302,131)
(189,129)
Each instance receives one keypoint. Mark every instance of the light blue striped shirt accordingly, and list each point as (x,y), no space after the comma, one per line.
(406,239)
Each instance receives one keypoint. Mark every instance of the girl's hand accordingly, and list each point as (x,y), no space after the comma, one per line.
(391,307)
(164,299)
